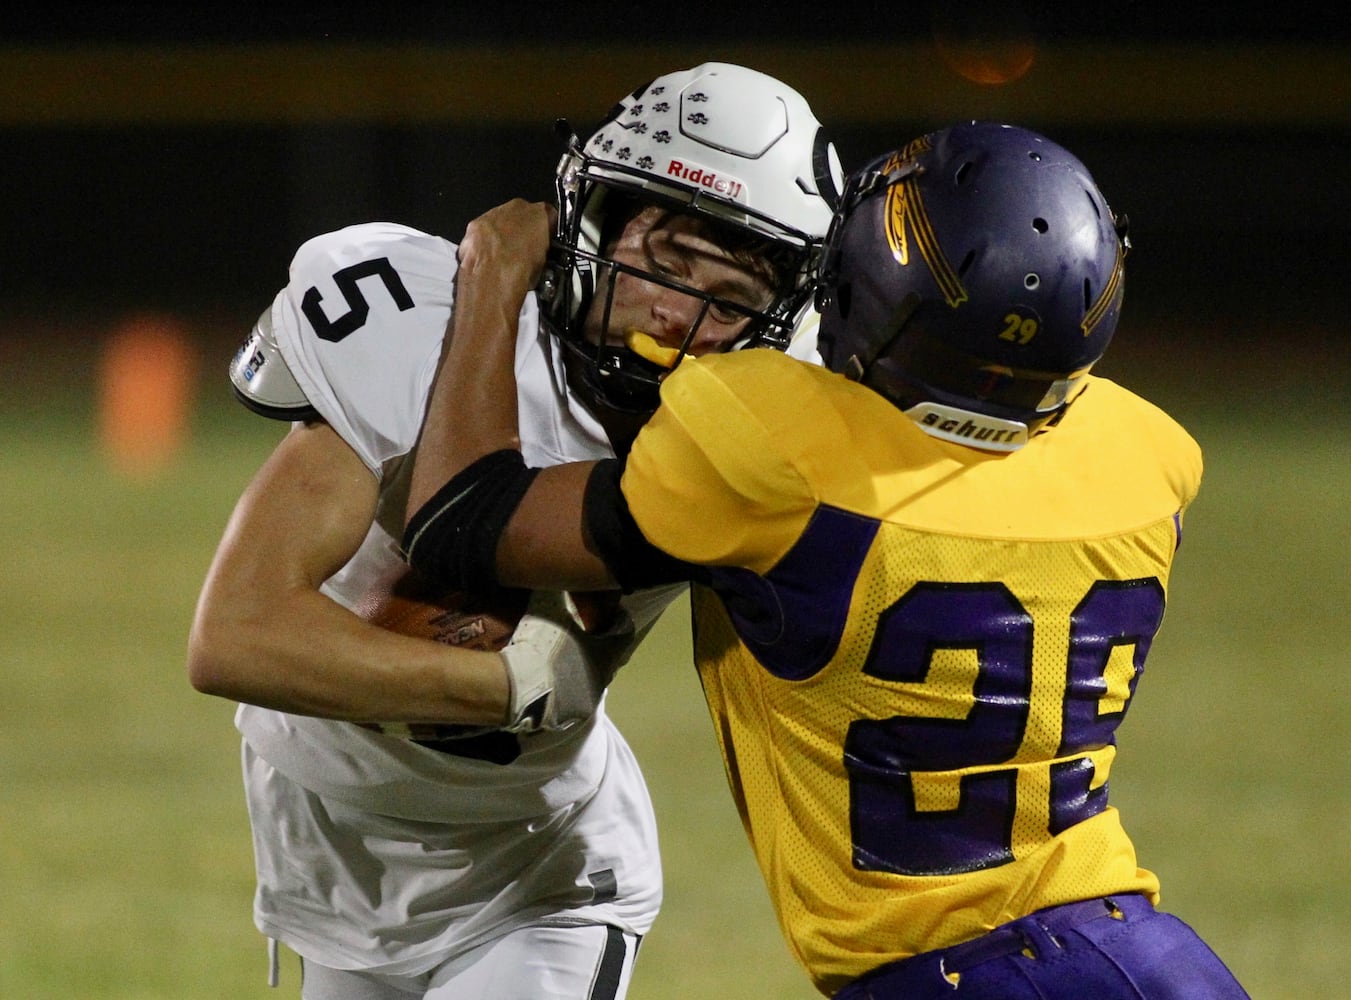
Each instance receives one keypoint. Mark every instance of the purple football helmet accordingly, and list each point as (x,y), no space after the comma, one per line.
(976,271)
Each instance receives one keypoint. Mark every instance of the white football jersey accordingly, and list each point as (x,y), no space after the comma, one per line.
(375,852)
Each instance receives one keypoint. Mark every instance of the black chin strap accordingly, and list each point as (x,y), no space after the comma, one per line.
(856,368)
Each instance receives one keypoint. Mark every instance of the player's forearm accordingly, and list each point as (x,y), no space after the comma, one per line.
(544,544)
(306,654)
(472,409)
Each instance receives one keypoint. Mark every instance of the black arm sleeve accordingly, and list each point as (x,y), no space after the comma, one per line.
(614,535)
(453,536)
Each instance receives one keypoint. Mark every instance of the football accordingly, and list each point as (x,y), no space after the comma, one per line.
(411,604)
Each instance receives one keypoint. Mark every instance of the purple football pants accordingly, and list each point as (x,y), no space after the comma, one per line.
(1107,949)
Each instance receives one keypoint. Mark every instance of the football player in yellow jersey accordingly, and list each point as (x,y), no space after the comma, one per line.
(926,577)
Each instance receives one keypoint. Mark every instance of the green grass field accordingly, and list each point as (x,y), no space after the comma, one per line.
(124,846)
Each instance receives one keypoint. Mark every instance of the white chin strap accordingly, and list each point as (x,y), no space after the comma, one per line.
(975,430)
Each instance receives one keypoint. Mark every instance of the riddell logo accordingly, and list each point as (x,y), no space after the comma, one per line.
(692,174)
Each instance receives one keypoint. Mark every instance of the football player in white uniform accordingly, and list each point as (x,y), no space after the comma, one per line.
(431,821)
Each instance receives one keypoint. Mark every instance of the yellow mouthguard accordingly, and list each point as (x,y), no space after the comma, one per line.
(645,346)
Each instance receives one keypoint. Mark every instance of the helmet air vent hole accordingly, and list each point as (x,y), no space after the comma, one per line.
(966,262)
(1040,224)
(1031,282)
(1088,295)
(1034,155)
(962,171)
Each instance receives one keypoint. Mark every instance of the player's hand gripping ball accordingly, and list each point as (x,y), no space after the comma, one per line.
(410,604)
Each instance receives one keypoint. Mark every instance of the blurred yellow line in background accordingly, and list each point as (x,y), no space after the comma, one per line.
(1080,84)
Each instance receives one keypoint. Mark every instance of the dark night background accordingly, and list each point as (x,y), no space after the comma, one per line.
(191,209)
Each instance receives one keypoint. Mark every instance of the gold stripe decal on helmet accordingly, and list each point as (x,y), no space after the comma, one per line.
(944,273)
(1099,308)
(905,203)
(895,216)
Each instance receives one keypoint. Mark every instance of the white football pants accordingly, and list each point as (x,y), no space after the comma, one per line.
(588,962)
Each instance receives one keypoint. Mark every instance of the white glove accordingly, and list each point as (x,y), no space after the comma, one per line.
(558,670)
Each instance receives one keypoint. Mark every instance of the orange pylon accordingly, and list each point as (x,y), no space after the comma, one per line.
(146,387)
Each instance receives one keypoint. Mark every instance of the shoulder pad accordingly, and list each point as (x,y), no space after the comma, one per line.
(263,382)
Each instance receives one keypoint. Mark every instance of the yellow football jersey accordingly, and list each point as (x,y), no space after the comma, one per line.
(915,653)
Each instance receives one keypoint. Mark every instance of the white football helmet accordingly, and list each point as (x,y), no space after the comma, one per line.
(723,142)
